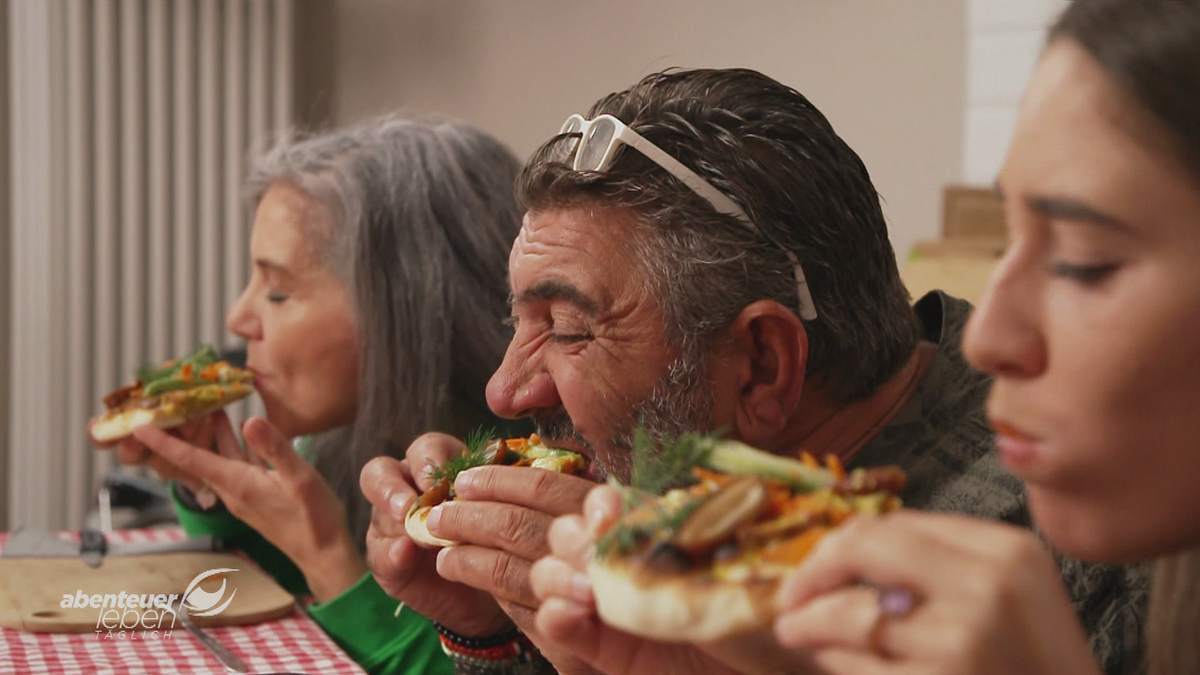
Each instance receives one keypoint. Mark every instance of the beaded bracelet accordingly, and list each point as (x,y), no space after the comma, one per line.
(507,653)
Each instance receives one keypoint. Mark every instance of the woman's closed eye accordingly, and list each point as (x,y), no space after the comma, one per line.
(1087,274)
(276,298)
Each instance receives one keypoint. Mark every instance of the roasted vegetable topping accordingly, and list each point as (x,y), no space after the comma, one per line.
(865,481)
(668,558)
(435,495)
(718,517)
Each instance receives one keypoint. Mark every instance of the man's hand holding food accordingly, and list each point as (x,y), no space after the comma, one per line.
(498,519)
(405,570)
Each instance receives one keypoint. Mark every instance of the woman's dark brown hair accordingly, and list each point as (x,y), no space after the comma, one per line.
(1151,50)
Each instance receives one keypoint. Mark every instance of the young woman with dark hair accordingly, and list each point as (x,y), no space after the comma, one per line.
(1089,327)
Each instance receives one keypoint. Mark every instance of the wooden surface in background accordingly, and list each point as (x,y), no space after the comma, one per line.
(973,239)
(31,589)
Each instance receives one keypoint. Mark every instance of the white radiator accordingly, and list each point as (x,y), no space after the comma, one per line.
(132,124)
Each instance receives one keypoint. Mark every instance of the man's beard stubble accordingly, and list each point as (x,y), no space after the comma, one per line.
(682,401)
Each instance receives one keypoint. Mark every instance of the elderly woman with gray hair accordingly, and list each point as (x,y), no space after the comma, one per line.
(374,312)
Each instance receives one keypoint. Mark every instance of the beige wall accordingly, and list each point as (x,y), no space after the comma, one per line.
(889,74)
(5,219)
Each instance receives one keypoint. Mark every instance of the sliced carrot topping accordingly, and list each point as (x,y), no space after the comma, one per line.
(535,439)
(835,465)
(185,372)
(780,495)
(809,503)
(794,550)
(809,460)
(709,476)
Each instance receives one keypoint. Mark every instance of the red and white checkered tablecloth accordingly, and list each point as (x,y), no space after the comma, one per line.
(292,644)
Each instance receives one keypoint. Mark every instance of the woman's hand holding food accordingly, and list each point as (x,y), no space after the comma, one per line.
(132,452)
(274,491)
(958,595)
(568,616)
(179,395)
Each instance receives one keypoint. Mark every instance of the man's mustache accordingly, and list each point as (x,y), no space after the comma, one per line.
(556,425)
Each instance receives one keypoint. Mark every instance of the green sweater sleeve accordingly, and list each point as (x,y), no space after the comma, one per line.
(223,525)
(380,634)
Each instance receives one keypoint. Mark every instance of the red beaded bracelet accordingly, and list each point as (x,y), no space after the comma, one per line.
(509,653)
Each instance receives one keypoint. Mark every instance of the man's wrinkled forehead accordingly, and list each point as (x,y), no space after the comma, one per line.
(584,246)
(522,241)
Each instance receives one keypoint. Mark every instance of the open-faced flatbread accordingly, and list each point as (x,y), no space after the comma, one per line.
(703,562)
(168,394)
(480,451)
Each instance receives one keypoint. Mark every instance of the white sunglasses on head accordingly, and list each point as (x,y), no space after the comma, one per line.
(597,149)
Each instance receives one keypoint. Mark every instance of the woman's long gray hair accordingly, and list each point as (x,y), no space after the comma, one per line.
(424,217)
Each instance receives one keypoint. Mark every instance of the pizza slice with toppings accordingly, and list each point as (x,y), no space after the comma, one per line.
(168,394)
(702,561)
(482,450)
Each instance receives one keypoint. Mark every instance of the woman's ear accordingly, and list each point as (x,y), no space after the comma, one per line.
(769,344)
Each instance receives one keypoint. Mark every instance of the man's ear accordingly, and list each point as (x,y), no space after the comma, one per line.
(769,344)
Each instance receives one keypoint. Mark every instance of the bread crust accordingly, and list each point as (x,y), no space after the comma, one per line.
(418,531)
(172,411)
(693,606)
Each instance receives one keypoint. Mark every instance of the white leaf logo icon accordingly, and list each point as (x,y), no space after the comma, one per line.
(204,603)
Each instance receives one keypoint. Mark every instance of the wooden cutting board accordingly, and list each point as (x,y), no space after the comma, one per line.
(32,592)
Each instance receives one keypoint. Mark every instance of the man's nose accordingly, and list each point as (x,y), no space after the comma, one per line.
(520,387)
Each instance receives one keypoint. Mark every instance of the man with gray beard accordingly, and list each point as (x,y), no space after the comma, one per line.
(700,252)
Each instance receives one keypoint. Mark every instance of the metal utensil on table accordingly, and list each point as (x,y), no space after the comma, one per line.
(92,546)
(210,643)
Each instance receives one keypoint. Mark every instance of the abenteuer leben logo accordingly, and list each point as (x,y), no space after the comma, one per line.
(141,616)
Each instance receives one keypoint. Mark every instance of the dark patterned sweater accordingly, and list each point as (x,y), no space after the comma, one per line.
(942,439)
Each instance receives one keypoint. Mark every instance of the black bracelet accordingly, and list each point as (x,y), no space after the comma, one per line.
(488,642)
(507,653)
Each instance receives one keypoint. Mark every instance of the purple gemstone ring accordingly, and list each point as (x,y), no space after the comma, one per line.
(894,603)
(898,602)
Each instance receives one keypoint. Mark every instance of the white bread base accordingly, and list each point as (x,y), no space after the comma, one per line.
(111,428)
(689,607)
(418,531)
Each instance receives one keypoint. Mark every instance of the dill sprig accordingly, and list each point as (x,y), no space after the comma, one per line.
(660,467)
(624,538)
(474,454)
(657,468)
(204,356)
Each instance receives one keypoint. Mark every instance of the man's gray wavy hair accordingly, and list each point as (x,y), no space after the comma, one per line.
(424,218)
(769,149)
